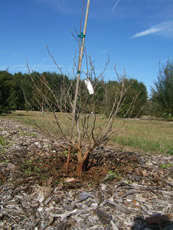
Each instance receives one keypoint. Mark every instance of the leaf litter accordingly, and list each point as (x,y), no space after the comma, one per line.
(119,191)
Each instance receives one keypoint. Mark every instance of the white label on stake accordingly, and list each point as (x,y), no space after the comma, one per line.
(89,86)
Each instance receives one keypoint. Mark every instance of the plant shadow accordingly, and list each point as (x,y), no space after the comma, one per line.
(154,222)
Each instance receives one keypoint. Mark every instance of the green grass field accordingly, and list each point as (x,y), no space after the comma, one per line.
(145,135)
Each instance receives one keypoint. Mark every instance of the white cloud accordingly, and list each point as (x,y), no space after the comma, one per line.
(151,30)
(115,5)
(70,7)
(104,51)
(4,52)
(164,29)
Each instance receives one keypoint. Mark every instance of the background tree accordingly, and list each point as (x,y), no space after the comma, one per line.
(135,91)
(6,102)
(16,98)
(162,93)
(21,95)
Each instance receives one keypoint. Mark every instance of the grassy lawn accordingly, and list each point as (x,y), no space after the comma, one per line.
(149,136)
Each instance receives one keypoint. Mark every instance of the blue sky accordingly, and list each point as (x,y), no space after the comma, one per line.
(136,34)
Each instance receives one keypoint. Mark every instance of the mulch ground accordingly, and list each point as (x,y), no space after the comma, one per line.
(29,158)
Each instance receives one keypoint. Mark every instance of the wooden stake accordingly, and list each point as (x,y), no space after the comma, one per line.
(79,67)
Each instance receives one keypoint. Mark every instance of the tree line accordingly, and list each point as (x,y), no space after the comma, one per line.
(17,92)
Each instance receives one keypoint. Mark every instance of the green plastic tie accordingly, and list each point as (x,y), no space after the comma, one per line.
(81,35)
(78,71)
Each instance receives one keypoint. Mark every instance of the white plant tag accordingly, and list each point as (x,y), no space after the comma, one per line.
(89,86)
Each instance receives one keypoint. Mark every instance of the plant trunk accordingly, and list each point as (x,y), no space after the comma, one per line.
(81,162)
(79,169)
(68,160)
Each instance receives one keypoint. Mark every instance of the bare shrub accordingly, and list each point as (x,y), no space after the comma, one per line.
(86,123)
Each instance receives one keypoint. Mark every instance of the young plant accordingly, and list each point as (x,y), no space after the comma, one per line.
(76,111)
